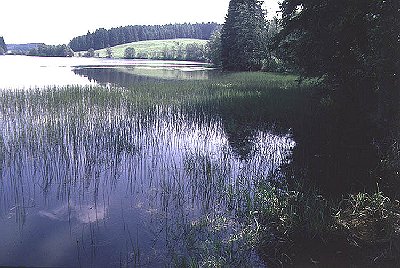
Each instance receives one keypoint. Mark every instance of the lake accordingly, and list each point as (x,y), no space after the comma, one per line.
(36,72)
(131,163)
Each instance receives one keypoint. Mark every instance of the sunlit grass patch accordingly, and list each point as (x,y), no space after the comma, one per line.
(370,218)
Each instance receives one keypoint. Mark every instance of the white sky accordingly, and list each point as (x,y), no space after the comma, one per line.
(57,22)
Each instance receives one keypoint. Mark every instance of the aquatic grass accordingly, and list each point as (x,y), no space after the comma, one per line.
(370,218)
(293,214)
(169,144)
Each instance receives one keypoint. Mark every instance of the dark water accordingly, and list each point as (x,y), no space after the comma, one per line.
(136,171)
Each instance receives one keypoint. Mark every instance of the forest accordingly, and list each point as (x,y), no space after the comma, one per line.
(51,51)
(102,38)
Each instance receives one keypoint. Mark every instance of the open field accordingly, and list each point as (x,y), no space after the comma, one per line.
(151,49)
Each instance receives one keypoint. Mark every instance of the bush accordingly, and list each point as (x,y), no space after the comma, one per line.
(129,53)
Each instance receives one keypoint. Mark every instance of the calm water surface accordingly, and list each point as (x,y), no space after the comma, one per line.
(38,72)
(123,170)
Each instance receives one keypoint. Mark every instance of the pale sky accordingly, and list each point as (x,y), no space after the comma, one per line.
(57,22)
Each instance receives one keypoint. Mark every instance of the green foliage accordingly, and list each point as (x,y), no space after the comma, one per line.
(174,49)
(293,214)
(129,53)
(292,218)
(370,218)
(343,40)
(90,53)
(214,48)
(243,37)
(109,52)
(51,51)
(195,52)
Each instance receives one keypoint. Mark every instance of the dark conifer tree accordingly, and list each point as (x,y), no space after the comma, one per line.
(3,45)
(243,36)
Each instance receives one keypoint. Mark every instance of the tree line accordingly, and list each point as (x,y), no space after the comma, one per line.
(3,46)
(51,51)
(102,38)
(339,39)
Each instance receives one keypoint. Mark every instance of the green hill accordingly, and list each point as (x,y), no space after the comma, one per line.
(175,49)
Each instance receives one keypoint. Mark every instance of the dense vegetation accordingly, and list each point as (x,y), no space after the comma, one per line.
(351,50)
(243,36)
(102,38)
(245,42)
(3,46)
(51,51)
(354,45)
(330,202)
(355,48)
(22,49)
(341,39)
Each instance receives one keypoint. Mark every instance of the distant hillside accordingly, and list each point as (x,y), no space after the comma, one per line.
(172,49)
(23,48)
(103,38)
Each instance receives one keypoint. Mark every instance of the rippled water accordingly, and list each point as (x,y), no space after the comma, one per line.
(130,172)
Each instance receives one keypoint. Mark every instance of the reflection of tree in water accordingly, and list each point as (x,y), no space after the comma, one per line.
(336,152)
(343,144)
(243,118)
(336,149)
(125,77)
(112,76)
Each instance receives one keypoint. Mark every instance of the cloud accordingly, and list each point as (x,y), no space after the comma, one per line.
(83,214)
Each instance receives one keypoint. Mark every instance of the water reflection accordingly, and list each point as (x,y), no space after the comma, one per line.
(82,213)
(22,72)
(99,180)
(126,77)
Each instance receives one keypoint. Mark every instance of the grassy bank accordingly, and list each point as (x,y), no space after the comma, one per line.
(304,228)
(155,49)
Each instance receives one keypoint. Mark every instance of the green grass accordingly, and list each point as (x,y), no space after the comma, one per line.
(151,48)
(370,218)
(307,226)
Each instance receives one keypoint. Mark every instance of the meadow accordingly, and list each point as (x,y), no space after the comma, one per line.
(155,49)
